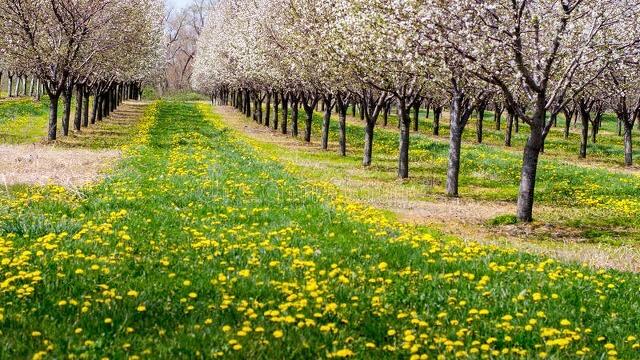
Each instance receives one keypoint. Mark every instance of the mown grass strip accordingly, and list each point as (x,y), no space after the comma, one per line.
(198,247)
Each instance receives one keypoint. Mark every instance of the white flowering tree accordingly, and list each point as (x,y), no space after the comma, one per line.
(533,59)
(61,43)
(539,47)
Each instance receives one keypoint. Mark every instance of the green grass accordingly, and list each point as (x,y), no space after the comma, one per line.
(23,120)
(586,198)
(197,246)
(608,150)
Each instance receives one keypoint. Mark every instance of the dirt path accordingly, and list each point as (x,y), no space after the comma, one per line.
(465,218)
(41,165)
(68,161)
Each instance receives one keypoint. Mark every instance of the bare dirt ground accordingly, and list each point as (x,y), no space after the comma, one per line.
(40,165)
(67,161)
(465,218)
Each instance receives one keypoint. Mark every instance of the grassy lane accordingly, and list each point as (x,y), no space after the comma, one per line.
(603,205)
(198,247)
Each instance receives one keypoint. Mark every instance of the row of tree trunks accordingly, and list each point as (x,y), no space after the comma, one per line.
(106,98)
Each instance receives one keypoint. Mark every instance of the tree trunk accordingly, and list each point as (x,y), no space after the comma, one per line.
(479,125)
(94,112)
(437,111)
(528,176)
(17,89)
(342,118)
(247,104)
(32,87)
(385,119)
(100,108)
(308,122)
(267,118)
(10,86)
(509,129)
(584,138)
(404,120)
(285,112)
(38,91)
(628,143)
(258,106)
(326,121)
(53,116)
(77,121)
(416,116)
(294,117)
(457,124)
(276,111)
(85,107)
(66,114)
(368,143)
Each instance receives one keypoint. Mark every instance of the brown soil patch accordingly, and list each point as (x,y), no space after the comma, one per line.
(41,165)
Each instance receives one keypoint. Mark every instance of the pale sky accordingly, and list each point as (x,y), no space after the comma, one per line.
(179,3)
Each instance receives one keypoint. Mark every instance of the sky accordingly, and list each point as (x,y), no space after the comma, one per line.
(179,3)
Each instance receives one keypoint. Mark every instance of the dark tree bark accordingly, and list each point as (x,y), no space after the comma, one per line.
(66,114)
(584,107)
(85,107)
(404,119)
(387,110)
(276,111)
(10,86)
(497,116)
(461,110)
(53,116)
(595,125)
(342,105)
(285,111)
(294,116)
(509,128)
(373,105)
(437,112)
(106,104)
(247,104)
(328,104)
(628,143)
(568,115)
(309,102)
(480,123)
(267,118)
(77,121)
(96,106)
(416,115)
(529,173)
(627,118)
(100,108)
